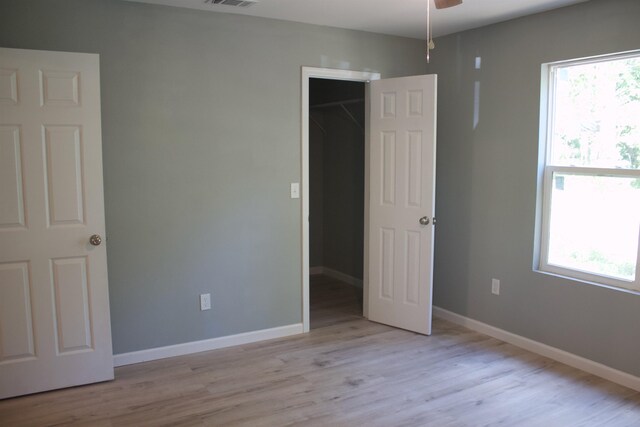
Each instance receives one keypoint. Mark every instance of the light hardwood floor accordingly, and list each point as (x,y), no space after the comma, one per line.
(345,372)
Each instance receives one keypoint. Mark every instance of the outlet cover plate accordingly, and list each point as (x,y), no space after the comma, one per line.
(205,302)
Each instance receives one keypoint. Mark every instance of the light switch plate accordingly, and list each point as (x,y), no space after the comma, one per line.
(295,190)
(495,286)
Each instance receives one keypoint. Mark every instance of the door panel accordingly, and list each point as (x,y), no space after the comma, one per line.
(412,267)
(16,335)
(388,175)
(54,307)
(72,304)
(402,179)
(63,165)
(8,85)
(11,193)
(414,169)
(59,88)
(387,263)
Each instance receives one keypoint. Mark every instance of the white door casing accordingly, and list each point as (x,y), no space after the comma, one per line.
(402,191)
(330,74)
(54,308)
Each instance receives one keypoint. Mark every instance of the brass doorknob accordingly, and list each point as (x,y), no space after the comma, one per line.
(424,220)
(95,240)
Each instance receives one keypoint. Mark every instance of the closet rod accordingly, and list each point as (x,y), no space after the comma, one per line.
(337,103)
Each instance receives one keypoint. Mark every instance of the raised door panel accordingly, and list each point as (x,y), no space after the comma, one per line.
(414,103)
(388,103)
(414,169)
(11,181)
(412,258)
(16,318)
(386,262)
(71,290)
(388,166)
(8,86)
(59,88)
(63,163)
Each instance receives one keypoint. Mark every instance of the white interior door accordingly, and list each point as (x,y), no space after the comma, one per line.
(54,308)
(402,201)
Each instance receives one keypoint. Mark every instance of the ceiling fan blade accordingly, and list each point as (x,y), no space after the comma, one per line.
(443,4)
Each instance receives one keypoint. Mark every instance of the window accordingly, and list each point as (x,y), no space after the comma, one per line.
(591,187)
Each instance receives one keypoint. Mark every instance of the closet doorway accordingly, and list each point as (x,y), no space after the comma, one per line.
(333,75)
(404,106)
(336,199)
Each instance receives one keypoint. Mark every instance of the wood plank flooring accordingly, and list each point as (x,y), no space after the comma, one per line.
(345,372)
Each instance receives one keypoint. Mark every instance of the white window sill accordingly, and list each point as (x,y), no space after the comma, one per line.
(587,282)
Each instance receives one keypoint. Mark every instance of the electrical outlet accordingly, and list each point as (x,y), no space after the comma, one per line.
(205,302)
(495,286)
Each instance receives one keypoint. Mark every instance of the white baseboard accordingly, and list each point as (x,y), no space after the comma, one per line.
(335,274)
(587,365)
(205,345)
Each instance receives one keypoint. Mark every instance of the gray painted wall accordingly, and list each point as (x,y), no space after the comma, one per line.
(201,138)
(487,177)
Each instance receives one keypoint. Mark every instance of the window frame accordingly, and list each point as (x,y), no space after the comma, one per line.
(549,71)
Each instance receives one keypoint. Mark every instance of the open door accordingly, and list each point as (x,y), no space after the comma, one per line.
(402,135)
(54,302)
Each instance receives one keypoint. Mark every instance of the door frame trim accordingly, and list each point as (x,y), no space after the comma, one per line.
(329,74)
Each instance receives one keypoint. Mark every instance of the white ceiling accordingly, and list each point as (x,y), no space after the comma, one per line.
(396,17)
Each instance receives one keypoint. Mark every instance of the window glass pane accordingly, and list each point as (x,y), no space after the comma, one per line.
(594,224)
(596,115)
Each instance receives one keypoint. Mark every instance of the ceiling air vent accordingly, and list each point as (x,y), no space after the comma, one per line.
(238,3)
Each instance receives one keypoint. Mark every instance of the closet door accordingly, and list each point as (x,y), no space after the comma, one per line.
(402,201)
